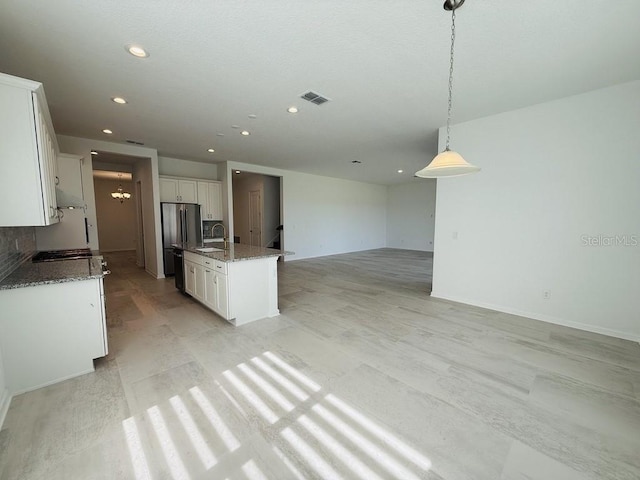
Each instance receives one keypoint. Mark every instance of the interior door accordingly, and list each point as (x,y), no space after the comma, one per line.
(255,218)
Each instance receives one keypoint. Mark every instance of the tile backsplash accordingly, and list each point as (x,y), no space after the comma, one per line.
(10,256)
(206,228)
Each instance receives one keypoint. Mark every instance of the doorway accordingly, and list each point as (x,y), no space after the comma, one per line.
(256,209)
(121,222)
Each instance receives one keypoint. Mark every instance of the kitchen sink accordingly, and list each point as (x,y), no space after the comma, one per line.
(209,249)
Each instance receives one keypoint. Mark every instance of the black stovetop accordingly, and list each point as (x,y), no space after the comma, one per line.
(53,255)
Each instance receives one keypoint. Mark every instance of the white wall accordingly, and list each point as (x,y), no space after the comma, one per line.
(322,215)
(116,221)
(186,168)
(411,209)
(551,174)
(153,231)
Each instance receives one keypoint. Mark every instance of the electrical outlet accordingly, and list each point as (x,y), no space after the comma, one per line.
(546,294)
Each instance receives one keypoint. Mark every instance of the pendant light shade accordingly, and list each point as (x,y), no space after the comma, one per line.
(447,164)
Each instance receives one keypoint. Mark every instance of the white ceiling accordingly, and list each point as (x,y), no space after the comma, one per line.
(384,64)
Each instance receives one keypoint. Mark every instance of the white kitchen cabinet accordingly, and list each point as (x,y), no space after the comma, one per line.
(240,292)
(178,190)
(189,277)
(221,288)
(210,198)
(28,150)
(69,190)
(194,280)
(216,292)
(51,332)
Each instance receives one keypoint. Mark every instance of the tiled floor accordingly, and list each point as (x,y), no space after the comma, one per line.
(362,376)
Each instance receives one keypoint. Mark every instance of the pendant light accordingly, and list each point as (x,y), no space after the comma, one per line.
(449,163)
(120,194)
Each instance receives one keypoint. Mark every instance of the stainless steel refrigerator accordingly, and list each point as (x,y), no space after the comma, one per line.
(180,225)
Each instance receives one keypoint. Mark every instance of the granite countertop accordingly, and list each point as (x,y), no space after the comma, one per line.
(32,274)
(235,252)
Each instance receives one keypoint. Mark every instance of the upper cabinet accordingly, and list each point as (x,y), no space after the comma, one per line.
(69,191)
(28,150)
(210,197)
(178,190)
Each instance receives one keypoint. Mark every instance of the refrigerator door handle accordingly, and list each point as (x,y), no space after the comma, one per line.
(181,226)
(186,225)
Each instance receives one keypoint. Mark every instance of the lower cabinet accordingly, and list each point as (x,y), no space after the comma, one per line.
(240,292)
(216,292)
(51,332)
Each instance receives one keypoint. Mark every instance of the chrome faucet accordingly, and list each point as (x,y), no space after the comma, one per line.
(224,232)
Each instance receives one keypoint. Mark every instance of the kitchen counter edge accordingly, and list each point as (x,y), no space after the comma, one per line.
(236,252)
(45,273)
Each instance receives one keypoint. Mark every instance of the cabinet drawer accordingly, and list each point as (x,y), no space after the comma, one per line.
(220,267)
(192,257)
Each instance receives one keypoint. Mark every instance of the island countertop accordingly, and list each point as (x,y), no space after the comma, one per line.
(32,274)
(235,252)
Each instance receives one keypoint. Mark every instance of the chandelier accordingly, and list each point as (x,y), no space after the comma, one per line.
(448,163)
(120,194)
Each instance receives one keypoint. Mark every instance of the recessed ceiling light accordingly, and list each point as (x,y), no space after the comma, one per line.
(220,134)
(237,171)
(107,131)
(253,116)
(137,51)
(245,133)
(400,171)
(292,109)
(93,152)
(119,100)
(235,126)
(210,150)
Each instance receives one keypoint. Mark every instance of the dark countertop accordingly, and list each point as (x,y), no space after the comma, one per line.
(235,252)
(31,274)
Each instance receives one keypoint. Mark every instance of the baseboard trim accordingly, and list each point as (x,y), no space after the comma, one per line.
(543,318)
(53,382)
(5,401)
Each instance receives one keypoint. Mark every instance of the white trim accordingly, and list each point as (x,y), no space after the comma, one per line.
(544,318)
(5,401)
(53,382)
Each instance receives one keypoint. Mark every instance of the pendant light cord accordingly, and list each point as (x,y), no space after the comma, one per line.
(453,40)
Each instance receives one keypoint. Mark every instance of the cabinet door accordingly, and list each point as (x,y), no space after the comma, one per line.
(169,190)
(70,180)
(187,191)
(222,295)
(199,282)
(210,289)
(48,163)
(203,200)
(189,278)
(215,200)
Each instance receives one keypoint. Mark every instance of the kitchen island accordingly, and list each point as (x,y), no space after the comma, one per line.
(239,283)
(53,323)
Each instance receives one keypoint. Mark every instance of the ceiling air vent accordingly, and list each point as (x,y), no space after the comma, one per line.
(314,97)
(133,142)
